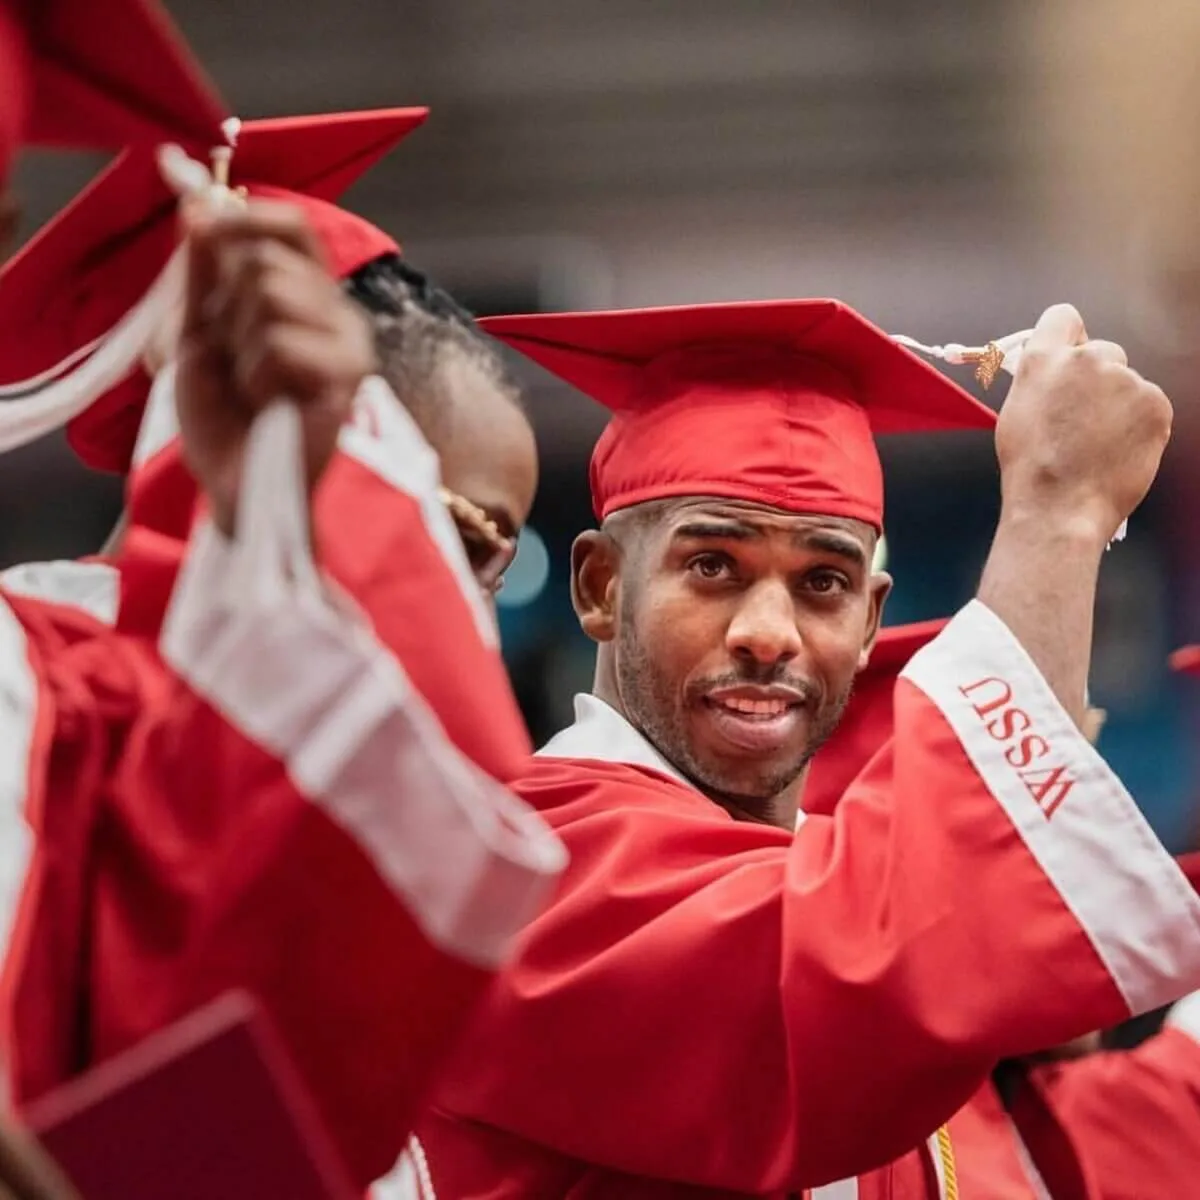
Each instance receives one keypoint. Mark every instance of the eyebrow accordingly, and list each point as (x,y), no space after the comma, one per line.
(833,543)
(827,541)
(737,531)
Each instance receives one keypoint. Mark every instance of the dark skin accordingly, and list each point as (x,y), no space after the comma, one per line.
(262,319)
(488,454)
(730,634)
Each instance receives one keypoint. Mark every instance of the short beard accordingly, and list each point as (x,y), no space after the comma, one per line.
(651,705)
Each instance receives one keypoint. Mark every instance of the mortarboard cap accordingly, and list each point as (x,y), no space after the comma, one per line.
(14,86)
(867,722)
(1186,660)
(774,402)
(84,270)
(91,75)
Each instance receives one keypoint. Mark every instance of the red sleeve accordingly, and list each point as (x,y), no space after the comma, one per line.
(384,536)
(67,693)
(817,1005)
(1131,1117)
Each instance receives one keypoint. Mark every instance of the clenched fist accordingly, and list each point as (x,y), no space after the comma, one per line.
(263,320)
(1081,434)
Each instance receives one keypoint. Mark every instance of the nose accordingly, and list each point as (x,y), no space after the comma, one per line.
(763,628)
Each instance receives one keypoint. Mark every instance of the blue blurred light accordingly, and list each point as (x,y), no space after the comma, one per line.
(526,578)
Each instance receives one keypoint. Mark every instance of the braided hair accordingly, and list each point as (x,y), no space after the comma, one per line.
(419,329)
(386,284)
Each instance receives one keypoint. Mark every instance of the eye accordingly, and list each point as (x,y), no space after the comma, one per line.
(711,567)
(826,582)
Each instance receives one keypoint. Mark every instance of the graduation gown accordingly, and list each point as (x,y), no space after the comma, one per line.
(718,1008)
(1115,1125)
(245,784)
(1121,1125)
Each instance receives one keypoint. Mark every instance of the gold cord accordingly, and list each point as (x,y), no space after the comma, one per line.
(949,1171)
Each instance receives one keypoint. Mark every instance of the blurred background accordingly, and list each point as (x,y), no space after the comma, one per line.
(948,168)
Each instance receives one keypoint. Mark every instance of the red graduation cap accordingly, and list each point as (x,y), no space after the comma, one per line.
(1186,660)
(867,722)
(84,270)
(102,75)
(774,401)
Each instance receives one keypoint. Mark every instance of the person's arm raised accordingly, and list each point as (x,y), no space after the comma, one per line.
(1079,441)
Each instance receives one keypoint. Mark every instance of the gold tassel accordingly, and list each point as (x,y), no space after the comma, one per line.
(988,360)
(949,1170)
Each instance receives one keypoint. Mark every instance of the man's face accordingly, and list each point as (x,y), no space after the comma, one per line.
(489,458)
(739,630)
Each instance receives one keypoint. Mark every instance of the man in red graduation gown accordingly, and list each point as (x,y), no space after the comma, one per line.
(715,1004)
(87,76)
(169,836)
(399,861)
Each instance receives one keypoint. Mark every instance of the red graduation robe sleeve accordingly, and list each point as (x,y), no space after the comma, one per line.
(387,540)
(1125,1123)
(286,815)
(816,1005)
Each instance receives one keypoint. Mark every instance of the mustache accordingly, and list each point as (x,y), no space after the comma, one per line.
(765,676)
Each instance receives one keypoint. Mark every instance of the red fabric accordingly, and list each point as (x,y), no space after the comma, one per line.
(111,75)
(364,528)
(1132,1117)
(1118,1125)
(810,1002)
(176,858)
(89,266)
(1096,1127)
(867,723)
(517,1169)
(186,1098)
(175,861)
(1189,864)
(987,1151)
(1187,660)
(14,87)
(773,402)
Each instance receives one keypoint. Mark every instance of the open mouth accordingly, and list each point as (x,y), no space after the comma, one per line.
(746,707)
(759,720)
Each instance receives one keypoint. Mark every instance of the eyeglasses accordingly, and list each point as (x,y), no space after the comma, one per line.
(489,551)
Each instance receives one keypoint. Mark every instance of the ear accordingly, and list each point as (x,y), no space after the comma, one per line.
(879,587)
(595,575)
